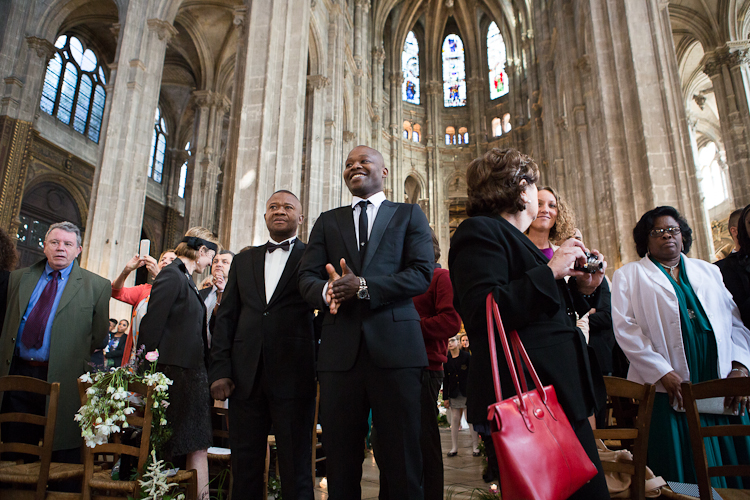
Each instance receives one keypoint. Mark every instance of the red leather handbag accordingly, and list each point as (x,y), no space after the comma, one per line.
(538,454)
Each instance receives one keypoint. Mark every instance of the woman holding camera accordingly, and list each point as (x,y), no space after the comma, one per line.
(675,321)
(490,253)
(554,222)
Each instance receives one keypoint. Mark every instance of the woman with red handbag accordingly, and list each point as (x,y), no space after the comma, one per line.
(490,254)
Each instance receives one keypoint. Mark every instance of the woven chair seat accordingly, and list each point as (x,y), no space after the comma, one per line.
(29,473)
(7,463)
(225,456)
(102,481)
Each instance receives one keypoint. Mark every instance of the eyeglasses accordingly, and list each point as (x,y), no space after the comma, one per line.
(656,233)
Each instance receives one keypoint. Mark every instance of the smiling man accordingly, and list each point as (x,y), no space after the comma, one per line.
(57,315)
(263,358)
(364,264)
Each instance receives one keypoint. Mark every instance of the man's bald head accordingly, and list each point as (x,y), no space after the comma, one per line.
(364,171)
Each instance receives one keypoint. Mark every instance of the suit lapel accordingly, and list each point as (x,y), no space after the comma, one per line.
(259,270)
(75,281)
(27,285)
(291,265)
(385,214)
(657,275)
(345,221)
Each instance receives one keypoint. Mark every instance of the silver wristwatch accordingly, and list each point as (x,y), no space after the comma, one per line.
(363,293)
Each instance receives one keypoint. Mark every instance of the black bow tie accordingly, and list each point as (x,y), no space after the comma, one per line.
(271,247)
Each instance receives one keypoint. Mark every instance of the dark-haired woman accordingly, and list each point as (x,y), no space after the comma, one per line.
(175,324)
(490,253)
(8,261)
(675,321)
(735,268)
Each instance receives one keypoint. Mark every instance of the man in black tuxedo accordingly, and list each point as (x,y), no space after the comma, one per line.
(263,358)
(371,352)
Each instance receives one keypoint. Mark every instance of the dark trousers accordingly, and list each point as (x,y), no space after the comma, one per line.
(596,489)
(429,440)
(346,398)
(249,425)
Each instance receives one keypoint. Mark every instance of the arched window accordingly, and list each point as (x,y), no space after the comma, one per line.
(497,127)
(450,135)
(74,87)
(407,129)
(463,135)
(158,147)
(410,68)
(496,60)
(506,123)
(713,179)
(183,174)
(416,134)
(454,72)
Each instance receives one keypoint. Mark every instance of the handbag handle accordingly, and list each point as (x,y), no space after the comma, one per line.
(493,313)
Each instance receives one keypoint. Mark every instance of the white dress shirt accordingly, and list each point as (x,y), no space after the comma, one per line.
(275,263)
(372,211)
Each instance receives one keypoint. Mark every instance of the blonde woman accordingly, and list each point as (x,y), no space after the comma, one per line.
(454,392)
(175,324)
(554,222)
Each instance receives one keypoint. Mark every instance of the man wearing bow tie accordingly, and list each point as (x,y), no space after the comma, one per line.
(365,262)
(263,358)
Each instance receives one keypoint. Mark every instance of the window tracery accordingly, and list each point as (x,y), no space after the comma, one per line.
(496,59)
(158,147)
(410,69)
(454,72)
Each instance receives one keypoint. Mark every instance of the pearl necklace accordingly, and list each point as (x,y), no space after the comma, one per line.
(671,268)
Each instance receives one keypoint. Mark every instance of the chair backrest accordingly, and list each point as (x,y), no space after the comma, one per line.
(142,418)
(739,386)
(220,423)
(643,395)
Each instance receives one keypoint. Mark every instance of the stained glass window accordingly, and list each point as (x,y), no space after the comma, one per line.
(410,68)
(158,148)
(711,176)
(497,127)
(73,89)
(183,174)
(496,58)
(454,72)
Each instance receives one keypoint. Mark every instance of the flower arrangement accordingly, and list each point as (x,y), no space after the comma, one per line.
(154,485)
(109,402)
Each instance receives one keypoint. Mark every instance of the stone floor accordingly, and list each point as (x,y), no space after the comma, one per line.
(463,473)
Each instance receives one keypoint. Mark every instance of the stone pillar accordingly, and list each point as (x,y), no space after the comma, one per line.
(361,117)
(267,128)
(476,97)
(435,136)
(119,188)
(396,183)
(378,57)
(210,108)
(18,105)
(315,178)
(727,69)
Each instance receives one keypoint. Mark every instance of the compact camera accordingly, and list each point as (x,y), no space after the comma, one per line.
(592,265)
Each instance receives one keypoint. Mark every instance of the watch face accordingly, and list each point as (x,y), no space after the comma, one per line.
(361,293)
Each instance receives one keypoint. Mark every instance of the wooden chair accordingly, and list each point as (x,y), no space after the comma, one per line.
(223,457)
(41,472)
(102,481)
(739,386)
(316,444)
(643,394)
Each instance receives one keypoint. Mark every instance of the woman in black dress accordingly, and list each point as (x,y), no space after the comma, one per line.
(456,368)
(175,324)
(490,253)
(735,268)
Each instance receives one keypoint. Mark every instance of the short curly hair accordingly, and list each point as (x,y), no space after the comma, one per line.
(8,253)
(646,224)
(494,181)
(742,235)
(565,225)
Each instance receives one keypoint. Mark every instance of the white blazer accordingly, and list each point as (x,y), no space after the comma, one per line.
(646,319)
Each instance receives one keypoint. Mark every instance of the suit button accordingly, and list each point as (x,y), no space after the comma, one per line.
(265,313)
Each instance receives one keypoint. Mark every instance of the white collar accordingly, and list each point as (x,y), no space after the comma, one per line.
(376,199)
(290,240)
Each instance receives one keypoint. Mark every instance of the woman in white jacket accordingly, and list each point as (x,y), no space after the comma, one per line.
(675,321)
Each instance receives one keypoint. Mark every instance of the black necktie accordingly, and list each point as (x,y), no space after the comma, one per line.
(362,227)
(271,247)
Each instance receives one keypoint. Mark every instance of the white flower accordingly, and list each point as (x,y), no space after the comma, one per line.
(163,421)
(86,378)
(91,390)
(110,389)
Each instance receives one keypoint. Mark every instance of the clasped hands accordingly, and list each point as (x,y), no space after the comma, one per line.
(573,252)
(340,287)
(673,385)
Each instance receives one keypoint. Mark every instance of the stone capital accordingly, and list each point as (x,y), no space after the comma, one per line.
(239,15)
(364,5)
(700,100)
(348,136)
(378,55)
(207,98)
(474,84)
(164,30)
(179,156)
(115,29)
(433,88)
(738,57)
(317,82)
(42,47)
(584,64)
(396,79)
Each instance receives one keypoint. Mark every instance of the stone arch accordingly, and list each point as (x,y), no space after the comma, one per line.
(413,187)
(79,197)
(205,58)
(53,17)
(691,21)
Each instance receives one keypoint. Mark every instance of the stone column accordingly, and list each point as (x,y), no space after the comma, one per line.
(210,108)
(268,126)
(18,105)
(476,97)
(119,188)
(439,212)
(396,184)
(378,57)
(727,69)
(361,117)
(315,178)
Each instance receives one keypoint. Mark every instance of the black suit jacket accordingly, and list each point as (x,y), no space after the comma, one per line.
(397,266)
(488,254)
(280,329)
(601,333)
(175,321)
(736,273)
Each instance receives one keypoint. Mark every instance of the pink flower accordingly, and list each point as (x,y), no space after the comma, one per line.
(152,356)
